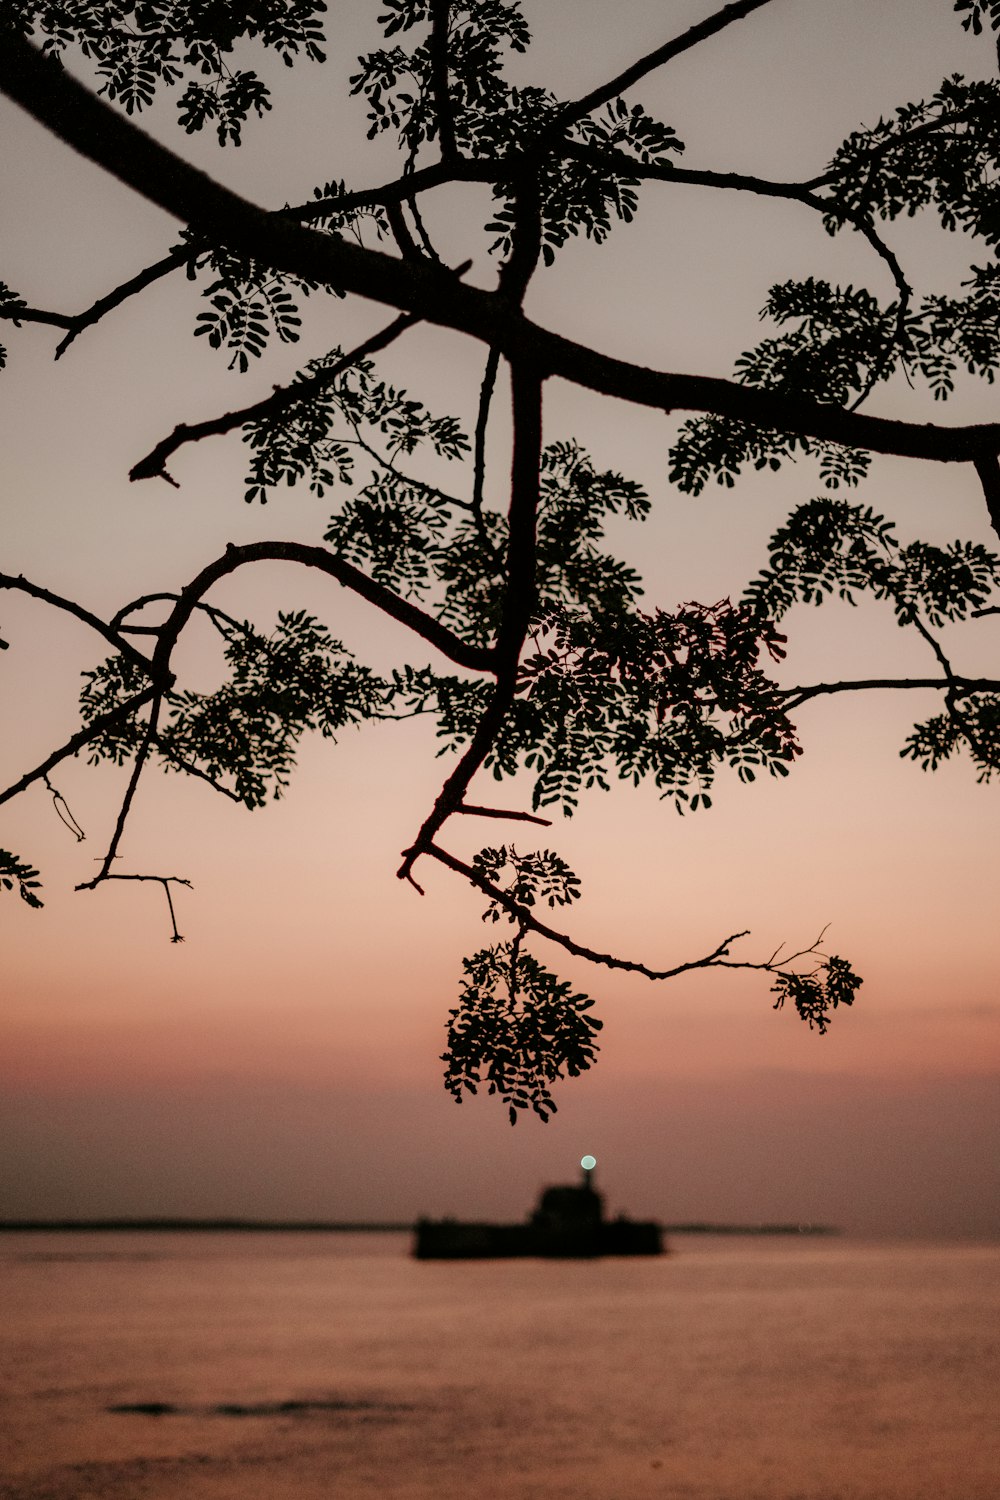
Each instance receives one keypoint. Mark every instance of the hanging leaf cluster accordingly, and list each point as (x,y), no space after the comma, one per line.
(247,303)
(817,994)
(971,723)
(518,1029)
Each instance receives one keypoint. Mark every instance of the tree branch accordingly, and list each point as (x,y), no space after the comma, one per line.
(141,756)
(795,696)
(524,915)
(130,288)
(475,658)
(519,602)
(439,79)
(501,812)
(35,591)
(82,737)
(479,452)
(711,26)
(165,880)
(153,466)
(91,127)
(17,312)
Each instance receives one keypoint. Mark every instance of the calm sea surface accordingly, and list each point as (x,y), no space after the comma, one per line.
(323,1367)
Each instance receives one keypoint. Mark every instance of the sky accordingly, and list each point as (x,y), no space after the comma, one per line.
(285,1059)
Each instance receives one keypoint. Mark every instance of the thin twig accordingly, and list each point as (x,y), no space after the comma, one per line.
(109,632)
(222,622)
(711,26)
(63,812)
(717,959)
(120,294)
(153,466)
(191,768)
(165,880)
(80,739)
(795,696)
(501,812)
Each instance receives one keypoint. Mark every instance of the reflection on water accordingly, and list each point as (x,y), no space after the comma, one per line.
(318,1366)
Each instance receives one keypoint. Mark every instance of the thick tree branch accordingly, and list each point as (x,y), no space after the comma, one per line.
(475,658)
(439,79)
(711,26)
(91,127)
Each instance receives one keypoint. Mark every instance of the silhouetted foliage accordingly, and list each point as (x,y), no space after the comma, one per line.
(550,666)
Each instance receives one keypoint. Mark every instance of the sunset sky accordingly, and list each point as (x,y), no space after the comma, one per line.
(284,1060)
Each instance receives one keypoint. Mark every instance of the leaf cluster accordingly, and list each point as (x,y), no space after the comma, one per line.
(14,871)
(942,153)
(494,119)
(248,302)
(243,736)
(668,697)
(340,414)
(977,11)
(136,47)
(246,733)
(517,1028)
(10,302)
(829,547)
(397,86)
(947,333)
(576,195)
(972,722)
(817,994)
(530,878)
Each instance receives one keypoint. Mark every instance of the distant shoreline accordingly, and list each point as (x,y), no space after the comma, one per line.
(317,1226)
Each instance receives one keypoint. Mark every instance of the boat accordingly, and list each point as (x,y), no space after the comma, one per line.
(568,1223)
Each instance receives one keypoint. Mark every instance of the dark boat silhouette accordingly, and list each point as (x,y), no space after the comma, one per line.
(568,1222)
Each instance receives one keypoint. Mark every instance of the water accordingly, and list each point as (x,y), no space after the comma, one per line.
(327,1367)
